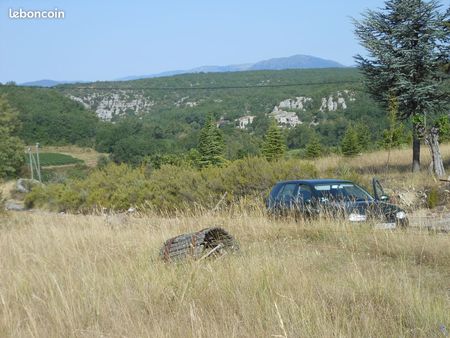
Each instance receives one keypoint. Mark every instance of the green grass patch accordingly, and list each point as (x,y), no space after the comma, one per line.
(47,159)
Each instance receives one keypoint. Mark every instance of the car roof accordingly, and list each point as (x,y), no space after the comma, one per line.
(317,181)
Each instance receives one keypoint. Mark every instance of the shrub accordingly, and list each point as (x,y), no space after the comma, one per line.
(174,188)
(433,198)
(170,188)
(103,161)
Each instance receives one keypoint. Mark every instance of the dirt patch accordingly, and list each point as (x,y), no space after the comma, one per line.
(7,189)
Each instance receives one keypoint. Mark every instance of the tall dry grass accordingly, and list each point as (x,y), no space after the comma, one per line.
(380,161)
(87,276)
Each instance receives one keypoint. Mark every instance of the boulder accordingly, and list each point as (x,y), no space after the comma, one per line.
(15,205)
(25,185)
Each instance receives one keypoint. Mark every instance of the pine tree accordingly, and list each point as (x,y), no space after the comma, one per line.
(408,43)
(350,144)
(273,146)
(314,147)
(364,136)
(211,145)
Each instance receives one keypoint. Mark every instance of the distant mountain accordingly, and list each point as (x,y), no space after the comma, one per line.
(292,62)
(47,83)
(42,83)
(295,62)
(201,69)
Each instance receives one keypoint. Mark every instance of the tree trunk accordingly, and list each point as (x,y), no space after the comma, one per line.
(432,140)
(416,150)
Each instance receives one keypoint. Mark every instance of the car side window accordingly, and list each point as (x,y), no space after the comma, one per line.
(304,192)
(287,192)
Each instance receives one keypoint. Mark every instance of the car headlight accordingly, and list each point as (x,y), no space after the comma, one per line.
(357,217)
(400,215)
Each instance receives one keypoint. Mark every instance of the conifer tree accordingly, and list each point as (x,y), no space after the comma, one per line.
(350,144)
(273,146)
(211,144)
(364,136)
(408,44)
(314,147)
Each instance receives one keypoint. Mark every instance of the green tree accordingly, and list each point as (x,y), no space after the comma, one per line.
(11,147)
(407,44)
(444,128)
(395,135)
(273,145)
(8,116)
(364,135)
(350,143)
(11,154)
(314,147)
(193,158)
(446,66)
(210,144)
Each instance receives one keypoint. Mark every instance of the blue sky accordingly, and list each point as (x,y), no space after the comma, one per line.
(104,40)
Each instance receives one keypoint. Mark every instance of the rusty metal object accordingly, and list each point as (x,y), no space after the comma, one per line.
(198,245)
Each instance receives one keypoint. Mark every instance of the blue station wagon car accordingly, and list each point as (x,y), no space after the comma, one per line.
(335,198)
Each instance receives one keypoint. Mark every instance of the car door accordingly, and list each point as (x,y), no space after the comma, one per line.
(378,191)
(381,208)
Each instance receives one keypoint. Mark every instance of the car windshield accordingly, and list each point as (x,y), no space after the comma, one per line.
(341,192)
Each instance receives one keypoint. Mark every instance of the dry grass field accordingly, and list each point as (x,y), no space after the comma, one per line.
(396,160)
(100,276)
(97,276)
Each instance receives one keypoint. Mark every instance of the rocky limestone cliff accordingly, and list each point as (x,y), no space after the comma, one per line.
(337,101)
(286,113)
(121,102)
(116,103)
(108,105)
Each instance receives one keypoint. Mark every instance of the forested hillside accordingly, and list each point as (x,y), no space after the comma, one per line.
(158,116)
(166,114)
(49,117)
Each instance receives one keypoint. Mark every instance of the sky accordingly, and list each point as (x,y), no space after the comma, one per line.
(106,40)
